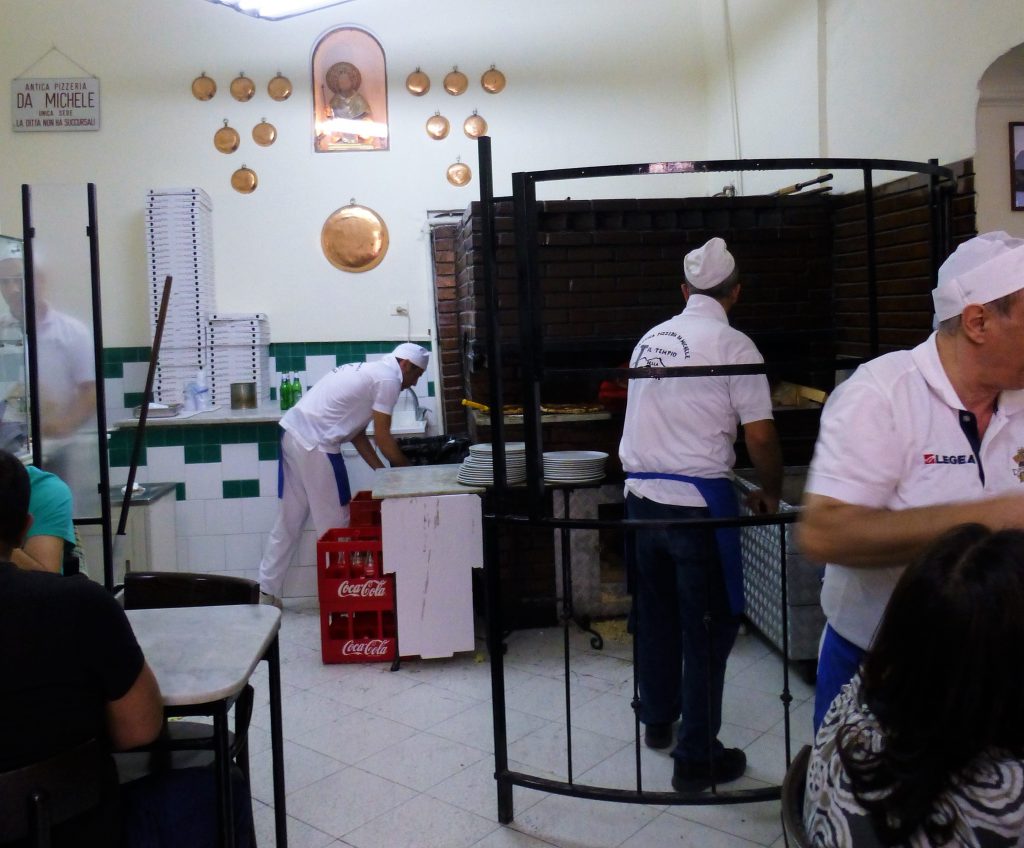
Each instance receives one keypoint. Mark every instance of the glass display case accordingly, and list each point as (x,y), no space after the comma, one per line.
(14,400)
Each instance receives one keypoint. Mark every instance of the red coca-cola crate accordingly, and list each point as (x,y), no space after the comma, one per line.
(364,511)
(347,553)
(358,594)
(353,636)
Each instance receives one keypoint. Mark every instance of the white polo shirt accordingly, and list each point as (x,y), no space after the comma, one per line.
(687,425)
(342,403)
(891,438)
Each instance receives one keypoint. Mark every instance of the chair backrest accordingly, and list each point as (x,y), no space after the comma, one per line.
(152,589)
(793,800)
(38,797)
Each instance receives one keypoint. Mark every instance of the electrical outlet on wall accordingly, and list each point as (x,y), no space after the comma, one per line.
(400,308)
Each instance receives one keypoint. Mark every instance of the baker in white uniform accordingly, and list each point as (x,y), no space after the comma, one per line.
(914,443)
(313,478)
(677,451)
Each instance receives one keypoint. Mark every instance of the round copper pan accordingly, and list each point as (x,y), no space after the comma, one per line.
(438,126)
(354,238)
(279,88)
(474,126)
(459,174)
(242,88)
(203,88)
(226,139)
(244,180)
(417,83)
(455,82)
(492,80)
(264,134)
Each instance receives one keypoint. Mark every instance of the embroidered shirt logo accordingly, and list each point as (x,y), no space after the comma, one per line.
(954,459)
(1019,459)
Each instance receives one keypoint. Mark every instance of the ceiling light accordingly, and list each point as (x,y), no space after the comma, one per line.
(276,10)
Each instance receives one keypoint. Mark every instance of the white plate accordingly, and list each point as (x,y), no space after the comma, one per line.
(560,479)
(488,448)
(575,455)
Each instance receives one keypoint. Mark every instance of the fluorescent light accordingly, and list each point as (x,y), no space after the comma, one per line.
(275,10)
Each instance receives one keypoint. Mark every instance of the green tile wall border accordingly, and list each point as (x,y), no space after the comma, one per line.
(179,491)
(241,488)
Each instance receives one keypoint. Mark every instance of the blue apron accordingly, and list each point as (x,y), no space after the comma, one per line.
(337,464)
(720,496)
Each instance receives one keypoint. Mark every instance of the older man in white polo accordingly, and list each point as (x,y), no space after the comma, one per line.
(313,478)
(914,443)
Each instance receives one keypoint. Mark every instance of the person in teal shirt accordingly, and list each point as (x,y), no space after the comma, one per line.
(52,533)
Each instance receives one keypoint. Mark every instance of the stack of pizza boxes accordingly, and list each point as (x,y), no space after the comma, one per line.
(357,599)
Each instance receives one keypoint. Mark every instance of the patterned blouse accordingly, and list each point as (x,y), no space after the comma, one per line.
(986,800)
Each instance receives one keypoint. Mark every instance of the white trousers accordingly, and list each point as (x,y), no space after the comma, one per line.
(310,487)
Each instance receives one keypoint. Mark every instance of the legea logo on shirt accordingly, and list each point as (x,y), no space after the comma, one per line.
(947,459)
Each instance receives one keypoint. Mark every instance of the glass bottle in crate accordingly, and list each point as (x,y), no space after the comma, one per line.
(370,568)
(357,565)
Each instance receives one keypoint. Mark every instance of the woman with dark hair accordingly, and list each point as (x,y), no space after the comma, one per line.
(925,746)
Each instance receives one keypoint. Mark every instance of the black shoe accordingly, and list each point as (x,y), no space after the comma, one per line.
(693,777)
(658,735)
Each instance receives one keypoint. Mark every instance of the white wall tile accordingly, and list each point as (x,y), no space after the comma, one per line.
(268,478)
(134,376)
(191,518)
(224,516)
(166,464)
(243,551)
(203,481)
(206,553)
(316,367)
(239,462)
(258,514)
(300,582)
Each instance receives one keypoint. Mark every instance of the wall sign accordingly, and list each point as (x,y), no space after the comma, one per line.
(55,104)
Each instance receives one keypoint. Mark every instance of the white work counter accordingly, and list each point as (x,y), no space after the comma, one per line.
(432,540)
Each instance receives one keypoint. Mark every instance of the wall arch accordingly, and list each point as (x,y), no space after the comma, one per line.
(1000,101)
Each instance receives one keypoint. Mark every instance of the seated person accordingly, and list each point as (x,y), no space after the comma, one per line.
(52,534)
(925,746)
(71,670)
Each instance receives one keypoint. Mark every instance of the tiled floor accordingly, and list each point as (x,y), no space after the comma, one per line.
(381,759)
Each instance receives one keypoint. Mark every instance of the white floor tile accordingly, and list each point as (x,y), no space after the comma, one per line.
(423,822)
(346,800)
(668,831)
(381,758)
(547,749)
(422,706)
(355,737)
(301,768)
(574,822)
(422,760)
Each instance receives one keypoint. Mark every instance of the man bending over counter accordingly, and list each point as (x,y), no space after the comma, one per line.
(312,478)
(914,443)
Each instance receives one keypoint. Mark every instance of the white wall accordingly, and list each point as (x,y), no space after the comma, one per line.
(1001,101)
(589,82)
(902,77)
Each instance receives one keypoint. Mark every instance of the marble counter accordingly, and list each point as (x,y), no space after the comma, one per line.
(421,480)
(204,654)
(266,413)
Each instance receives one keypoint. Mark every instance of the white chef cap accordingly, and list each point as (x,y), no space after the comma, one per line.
(417,355)
(983,269)
(709,265)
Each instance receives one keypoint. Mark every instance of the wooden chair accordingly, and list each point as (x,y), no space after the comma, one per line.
(165,589)
(793,785)
(36,799)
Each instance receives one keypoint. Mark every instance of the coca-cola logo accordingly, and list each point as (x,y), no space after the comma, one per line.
(362,589)
(367,648)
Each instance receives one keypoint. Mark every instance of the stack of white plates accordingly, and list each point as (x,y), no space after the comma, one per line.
(478,468)
(576,466)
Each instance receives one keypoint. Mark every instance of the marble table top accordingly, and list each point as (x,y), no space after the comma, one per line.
(415,481)
(204,654)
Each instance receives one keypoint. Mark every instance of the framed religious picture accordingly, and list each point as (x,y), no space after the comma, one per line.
(350,92)
(1017,166)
